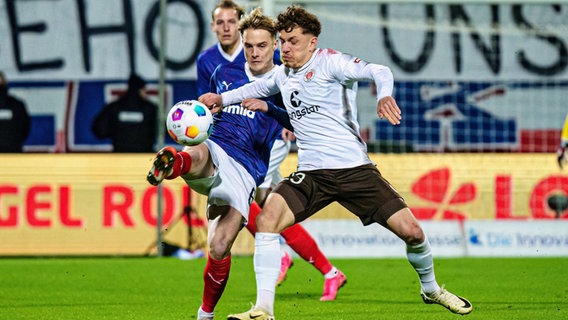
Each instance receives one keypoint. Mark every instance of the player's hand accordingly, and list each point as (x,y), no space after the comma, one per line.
(561,153)
(213,101)
(288,135)
(255,105)
(387,108)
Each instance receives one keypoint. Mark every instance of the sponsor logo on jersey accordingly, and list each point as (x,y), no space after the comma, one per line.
(301,108)
(237,109)
(226,85)
(294,100)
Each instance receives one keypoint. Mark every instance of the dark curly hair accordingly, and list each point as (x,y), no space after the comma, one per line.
(296,16)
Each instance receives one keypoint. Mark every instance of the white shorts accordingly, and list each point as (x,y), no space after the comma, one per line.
(279,152)
(230,185)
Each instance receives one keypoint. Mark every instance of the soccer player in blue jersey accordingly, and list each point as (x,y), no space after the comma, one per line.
(319,88)
(230,165)
(229,49)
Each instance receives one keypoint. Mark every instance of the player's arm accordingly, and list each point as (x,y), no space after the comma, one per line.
(213,101)
(280,115)
(348,68)
(261,88)
(271,109)
(288,135)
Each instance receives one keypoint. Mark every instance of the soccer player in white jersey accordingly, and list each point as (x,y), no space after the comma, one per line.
(318,87)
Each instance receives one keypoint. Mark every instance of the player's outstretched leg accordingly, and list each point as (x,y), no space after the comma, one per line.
(169,164)
(163,165)
(300,240)
(452,302)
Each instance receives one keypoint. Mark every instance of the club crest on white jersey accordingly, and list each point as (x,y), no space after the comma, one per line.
(309,75)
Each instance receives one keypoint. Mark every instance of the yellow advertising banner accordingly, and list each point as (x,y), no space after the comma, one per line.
(100,204)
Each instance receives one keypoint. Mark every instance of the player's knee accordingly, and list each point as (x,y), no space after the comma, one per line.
(219,250)
(410,232)
(267,222)
(414,235)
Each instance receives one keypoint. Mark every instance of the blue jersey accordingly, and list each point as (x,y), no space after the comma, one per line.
(208,60)
(246,136)
(212,57)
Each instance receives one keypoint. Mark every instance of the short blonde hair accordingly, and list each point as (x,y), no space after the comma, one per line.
(257,20)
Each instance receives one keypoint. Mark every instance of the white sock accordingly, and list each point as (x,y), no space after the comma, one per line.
(332,273)
(420,257)
(267,258)
(201,313)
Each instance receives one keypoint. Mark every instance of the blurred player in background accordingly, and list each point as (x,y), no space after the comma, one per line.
(563,144)
(319,90)
(229,48)
(230,165)
(224,23)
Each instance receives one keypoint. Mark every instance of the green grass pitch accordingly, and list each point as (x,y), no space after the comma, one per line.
(167,288)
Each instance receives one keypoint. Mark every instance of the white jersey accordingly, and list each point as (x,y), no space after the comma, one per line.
(320,99)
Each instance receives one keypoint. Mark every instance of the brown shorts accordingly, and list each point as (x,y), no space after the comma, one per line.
(361,190)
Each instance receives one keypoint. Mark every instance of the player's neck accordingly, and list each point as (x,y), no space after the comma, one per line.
(262,71)
(230,49)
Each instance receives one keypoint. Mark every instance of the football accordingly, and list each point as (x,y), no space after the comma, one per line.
(189,122)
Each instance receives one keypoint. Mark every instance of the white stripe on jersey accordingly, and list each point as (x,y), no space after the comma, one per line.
(320,99)
(230,57)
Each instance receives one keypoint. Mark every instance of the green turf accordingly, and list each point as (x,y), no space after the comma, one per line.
(166,288)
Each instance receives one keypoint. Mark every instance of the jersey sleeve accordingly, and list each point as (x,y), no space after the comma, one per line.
(203,78)
(260,88)
(348,68)
(280,115)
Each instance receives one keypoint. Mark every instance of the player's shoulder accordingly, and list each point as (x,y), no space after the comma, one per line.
(207,53)
(230,67)
(328,52)
(335,58)
(329,56)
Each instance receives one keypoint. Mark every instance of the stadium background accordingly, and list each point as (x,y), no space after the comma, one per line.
(481,85)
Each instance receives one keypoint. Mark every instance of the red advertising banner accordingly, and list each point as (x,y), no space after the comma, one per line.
(100,204)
